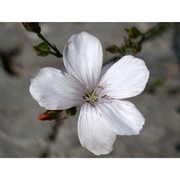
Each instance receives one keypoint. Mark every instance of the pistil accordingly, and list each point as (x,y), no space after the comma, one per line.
(91,97)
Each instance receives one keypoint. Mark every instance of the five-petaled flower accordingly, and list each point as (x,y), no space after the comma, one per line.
(104,113)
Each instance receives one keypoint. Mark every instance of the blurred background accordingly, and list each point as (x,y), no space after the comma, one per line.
(22,135)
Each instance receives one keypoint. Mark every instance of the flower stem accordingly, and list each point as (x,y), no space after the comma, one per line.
(56,51)
(150,34)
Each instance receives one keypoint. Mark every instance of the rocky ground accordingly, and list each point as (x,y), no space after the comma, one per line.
(21,135)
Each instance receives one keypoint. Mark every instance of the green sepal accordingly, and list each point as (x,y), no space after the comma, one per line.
(71,111)
(133,32)
(42,49)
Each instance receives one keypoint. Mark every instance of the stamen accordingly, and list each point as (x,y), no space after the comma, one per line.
(91,97)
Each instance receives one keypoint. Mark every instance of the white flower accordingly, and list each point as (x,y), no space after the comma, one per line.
(104,114)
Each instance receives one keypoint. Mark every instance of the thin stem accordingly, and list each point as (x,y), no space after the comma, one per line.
(153,31)
(50,52)
(121,51)
(160,27)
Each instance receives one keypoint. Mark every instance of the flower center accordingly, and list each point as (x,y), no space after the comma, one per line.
(91,97)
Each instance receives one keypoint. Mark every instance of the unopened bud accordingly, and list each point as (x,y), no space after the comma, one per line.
(32,27)
(49,115)
(57,114)
(112,49)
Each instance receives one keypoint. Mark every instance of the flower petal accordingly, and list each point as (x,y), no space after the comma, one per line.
(94,133)
(55,90)
(82,58)
(126,78)
(122,117)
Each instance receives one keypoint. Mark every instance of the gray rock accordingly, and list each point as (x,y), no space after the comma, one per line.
(21,135)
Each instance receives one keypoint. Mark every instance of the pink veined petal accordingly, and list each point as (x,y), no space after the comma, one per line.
(93,131)
(82,58)
(55,90)
(126,78)
(122,116)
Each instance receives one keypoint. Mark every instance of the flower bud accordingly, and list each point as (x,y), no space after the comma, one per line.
(112,49)
(32,27)
(49,115)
